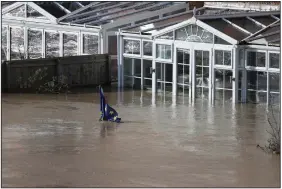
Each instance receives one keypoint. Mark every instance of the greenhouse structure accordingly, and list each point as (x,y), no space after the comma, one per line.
(214,54)
(51,29)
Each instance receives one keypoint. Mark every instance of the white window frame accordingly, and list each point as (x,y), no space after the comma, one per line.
(78,43)
(82,43)
(132,55)
(268,61)
(42,41)
(164,42)
(24,38)
(222,48)
(146,56)
(52,31)
(254,67)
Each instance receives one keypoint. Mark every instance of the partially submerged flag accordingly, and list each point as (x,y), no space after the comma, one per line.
(107,112)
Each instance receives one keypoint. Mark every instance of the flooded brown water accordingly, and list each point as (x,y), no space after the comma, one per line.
(57,141)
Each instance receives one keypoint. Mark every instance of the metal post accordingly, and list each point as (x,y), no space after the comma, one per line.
(236,62)
(174,74)
(244,86)
(154,69)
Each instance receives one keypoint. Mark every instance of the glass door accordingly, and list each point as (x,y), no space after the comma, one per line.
(202,74)
(183,72)
(164,77)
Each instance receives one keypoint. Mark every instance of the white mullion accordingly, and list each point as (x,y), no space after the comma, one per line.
(26,42)
(267,76)
(276,18)
(256,22)
(61,44)
(43,43)
(8,43)
(62,7)
(174,72)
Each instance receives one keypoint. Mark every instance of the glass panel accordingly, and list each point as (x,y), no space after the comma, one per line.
(17,44)
(70,44)
(131,47)
(274,60)
(186,57)
(127,66)
(168,72)
(222,57)
(260,59)
(4,43)
(256,59)
(266,20)
(163,51)
(31,13)
(112,45)
(147,83)
(218,57)
(219,78)
(18,12)
(166,36)
(137,67)
(206,58)
(218,40)
(227,58)
(147,48)
(180,58)
(90,44)
(274,79)
(198,57)
(52,42)
(147,65)
(34,44)
(128,81)
(257,80)
(257,97)
(193,33)
(137,83)
(246,24)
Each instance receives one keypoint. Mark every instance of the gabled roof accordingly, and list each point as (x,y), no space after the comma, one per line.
(231,25)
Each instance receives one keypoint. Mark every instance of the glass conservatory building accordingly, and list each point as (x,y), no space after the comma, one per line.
(228,56)
(51,29)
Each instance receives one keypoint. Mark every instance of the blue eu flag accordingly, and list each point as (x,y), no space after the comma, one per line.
(107,112)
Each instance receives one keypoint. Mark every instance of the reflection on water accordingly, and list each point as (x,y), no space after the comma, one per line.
(53,141)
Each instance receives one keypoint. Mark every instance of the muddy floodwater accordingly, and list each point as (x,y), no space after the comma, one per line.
(57,141)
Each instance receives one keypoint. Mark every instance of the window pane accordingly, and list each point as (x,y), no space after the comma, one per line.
(206,58)
(90,44)
(147,48)
(163,51)
(147,65)
(227,58)
(4,43)
(274,79)
(260,59)
(127,66)
(218,57)
(18,12)
(219,78)
(70,44)
(131,47)
(137,67)
(17,44)
(227,79)
(52,44)
(168,72)
(112,45)
(31,13)
(198,57)
(34,44)
(167,52)
(257,80)
(251,59)
(274,60)
(180,56)
(187,57)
